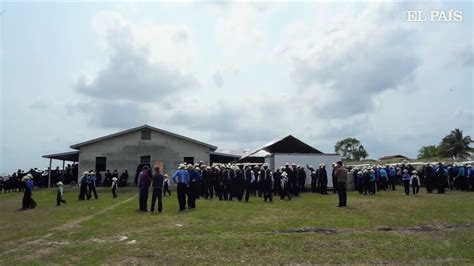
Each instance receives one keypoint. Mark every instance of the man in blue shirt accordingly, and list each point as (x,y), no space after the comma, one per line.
(181,178)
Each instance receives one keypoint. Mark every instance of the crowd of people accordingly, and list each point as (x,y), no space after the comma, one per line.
(240,182)
(434,177)
(229,182)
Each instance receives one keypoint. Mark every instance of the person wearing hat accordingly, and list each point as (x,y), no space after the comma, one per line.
(266,176)
(429,177)
(392,177)
(314,178)
(114,186)
(383,178)
(291,177)
(295,179)
(461,176)
(28,202)
(406,181)
(92,184)
(157,180)
(373,181)
(166,186)
(181,178)
(301,178)
(194,185)
(144,182)
(83,185)
(415,182)
(60,194)
(285,188)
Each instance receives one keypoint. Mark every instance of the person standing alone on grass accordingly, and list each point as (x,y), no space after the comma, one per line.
(114,186)
(60,194)
(144,181)
(340,174)
(158,180)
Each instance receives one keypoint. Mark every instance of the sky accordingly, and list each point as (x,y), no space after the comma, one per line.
(235,75)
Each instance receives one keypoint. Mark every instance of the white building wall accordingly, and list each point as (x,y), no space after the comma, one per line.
(123,152)
(314,159)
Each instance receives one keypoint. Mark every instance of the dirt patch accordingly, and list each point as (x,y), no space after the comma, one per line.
(424,228)
(326,231)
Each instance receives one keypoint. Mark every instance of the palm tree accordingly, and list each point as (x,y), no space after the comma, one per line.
(455,145)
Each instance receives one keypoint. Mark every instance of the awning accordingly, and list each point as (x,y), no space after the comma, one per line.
(72,156)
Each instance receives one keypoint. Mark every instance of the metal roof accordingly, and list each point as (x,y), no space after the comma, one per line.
(72,156)
(288,144)
(77,146)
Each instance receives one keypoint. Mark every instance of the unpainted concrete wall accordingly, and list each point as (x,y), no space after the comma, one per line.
(123,152)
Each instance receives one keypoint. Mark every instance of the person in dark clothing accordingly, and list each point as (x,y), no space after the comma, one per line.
(406,181)
(429,179)
(206,181)
(267,182)
(341,176)
(28,202)
(144,182)
(157,180)
(248,178)
(301,178)
(194,180)
(323,179)
(415,182)
(314,178)
(295,179)
(83,186)
(334,178)
(123,179)
(276,182)
(91,185)
(441,178)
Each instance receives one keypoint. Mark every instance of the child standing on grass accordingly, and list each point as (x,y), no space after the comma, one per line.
(166,186)
(406,181)
(415,182)
(114,186)
(60,194)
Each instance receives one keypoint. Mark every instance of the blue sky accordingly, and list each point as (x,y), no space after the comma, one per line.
(232,74)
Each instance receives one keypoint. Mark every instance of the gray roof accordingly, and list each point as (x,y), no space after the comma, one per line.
(288,144)
(77,146)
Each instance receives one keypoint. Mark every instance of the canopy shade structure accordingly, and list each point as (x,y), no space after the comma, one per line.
(72,156)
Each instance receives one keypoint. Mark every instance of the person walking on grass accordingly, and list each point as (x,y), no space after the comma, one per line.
(144,181)
(92,182)
(406,181)
(114,186)
(340,174)
(157,180)
(60,194)
(415,182)
(83,186)
(28,202)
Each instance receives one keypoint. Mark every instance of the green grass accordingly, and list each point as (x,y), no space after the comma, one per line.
(217,232)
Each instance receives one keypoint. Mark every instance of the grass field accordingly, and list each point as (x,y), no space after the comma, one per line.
(387,228)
